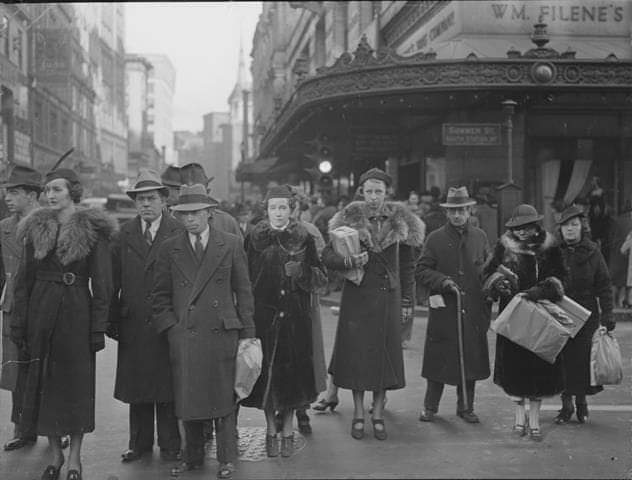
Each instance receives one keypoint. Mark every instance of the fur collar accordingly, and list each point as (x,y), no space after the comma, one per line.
(582,251)
(401,225)
(543,241)
(293,237)
(74,240)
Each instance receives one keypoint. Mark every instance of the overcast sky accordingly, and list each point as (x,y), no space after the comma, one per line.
(202,41)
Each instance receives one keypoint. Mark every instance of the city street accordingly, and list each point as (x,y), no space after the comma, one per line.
(447,448)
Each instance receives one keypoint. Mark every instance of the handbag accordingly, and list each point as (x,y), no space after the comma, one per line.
(606,365)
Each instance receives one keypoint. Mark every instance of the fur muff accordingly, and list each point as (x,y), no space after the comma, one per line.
(76,237)
(402,225)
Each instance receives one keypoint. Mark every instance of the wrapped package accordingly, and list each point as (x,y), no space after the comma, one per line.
(530,325)
(248,368)
(346,242)
(606,366)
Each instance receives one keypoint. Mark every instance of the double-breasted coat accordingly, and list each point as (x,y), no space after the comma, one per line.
(205,308)
(460,257)
(368,349)
(11,254)
(143,371)
(62,298)
(589,285)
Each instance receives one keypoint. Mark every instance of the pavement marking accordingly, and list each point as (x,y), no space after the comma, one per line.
(595,408)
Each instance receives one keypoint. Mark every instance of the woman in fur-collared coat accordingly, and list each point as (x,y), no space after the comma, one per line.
(62,297)
(367,353)
(526,259)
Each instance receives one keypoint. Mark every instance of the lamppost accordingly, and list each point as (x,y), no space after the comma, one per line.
(509,107)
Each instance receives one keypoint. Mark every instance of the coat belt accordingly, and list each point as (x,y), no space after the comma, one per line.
(67,278)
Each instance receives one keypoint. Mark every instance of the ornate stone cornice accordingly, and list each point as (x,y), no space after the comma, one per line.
(367,73)
(411,16)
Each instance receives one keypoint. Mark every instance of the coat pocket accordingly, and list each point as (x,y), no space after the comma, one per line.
(232,323)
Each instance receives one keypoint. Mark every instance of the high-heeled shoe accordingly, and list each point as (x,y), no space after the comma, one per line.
(272,446)
(74,474)
(287,446)
(51,472)
(302,419)
(582,412)
(357,428)
(564,415)
(379,431)
(324,404)
(535,434)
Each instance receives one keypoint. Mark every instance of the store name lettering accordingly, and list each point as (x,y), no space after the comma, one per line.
(441,27)
(560,13)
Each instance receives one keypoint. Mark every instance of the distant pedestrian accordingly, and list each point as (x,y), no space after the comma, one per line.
(22,188)
(62,299)
(532,263)
(285,270)
(452,262)
(143,371)
(589,285)
(202,300)
(367,353)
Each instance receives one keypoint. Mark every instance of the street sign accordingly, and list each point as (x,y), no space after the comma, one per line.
(477,134)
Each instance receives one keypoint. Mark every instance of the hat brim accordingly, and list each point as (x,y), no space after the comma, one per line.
(468,203)
(192,207)
(513,223)
(17,185)
(134,191)
(567,218)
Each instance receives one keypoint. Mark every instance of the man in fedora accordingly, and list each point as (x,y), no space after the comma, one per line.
(202,299)
(452,260)
(22,190)
(143,374)
(193,173)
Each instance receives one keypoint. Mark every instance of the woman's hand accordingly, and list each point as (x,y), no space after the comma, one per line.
(360,260)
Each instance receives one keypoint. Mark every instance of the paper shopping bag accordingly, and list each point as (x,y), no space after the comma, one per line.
(606,366)
(248,368)
(346,242)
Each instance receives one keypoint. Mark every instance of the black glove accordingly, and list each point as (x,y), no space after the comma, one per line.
(97,341)
(449,286)
(113,331)
(608,322)
(18,336)
(503,287)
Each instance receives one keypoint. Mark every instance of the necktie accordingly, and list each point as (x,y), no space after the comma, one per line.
(198,247)
(147,234)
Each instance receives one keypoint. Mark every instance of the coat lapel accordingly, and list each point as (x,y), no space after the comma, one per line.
(215,251)
(9,240)
(168,227)
(135,238)
(183,257)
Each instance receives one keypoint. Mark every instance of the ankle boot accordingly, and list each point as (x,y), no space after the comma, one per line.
(565,414)
(582,412)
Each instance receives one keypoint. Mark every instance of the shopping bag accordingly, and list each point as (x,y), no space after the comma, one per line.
(606,366)
(531,326)
(248,368)
(346,242)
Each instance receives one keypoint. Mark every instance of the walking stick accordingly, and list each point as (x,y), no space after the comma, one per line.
(459,330)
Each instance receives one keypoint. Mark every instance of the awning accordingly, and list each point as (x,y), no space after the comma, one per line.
(254,171)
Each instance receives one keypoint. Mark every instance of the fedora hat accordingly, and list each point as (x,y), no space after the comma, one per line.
(523,215)
(23,176)
(376,174)
(192,173)
(458,197)
(147,181)
(192,198)
(171,177)
(570,212)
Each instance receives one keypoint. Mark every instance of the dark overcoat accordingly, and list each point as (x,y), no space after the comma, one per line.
(449,254)
(539,266)
(367,352)
(60,318)
(11,254)
(143,370)
(205,308)
(283,314)
(589,285)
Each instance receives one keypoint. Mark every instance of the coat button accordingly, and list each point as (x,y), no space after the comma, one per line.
(282,292)
(191,308)
(215,304)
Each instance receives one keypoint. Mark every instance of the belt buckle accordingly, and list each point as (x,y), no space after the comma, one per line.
(68,278)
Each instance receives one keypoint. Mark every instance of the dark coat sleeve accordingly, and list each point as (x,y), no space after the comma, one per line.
(242,290)
(163,314)
(313,275)
(331,259)
(603,289)
(407,257)
(115,304)
(425,271)
(101,283)
(552,277)
(24,281)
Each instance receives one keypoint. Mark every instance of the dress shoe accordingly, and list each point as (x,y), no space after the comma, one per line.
(74,474)
(535,434)
(287,446)
(272,446)
(582,412)
(185,467)
(51,472)
(564,415)
(469,417)
(132,455)
(225,470)
(170,455)
(379,431)
(357,428)
(323,404)
(17,443)
(427,416)
(303,422)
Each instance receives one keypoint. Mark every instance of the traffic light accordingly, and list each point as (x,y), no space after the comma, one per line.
(326,182)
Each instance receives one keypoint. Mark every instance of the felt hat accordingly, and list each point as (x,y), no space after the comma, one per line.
(147,181)
(171,177)
(65,173)
(280,191)
(376,174)
(570,212)
(458,197)
(523,215)
(23,176)
(192,198)
(192,173)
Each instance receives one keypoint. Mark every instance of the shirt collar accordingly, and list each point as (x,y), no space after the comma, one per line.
(203,236)
(154,226)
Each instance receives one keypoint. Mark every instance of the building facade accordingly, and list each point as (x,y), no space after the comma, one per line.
(519,100)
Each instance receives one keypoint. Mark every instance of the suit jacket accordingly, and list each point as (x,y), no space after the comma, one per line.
(205,308)
(143,372)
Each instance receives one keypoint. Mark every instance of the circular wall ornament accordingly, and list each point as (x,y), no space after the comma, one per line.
(571,74)
(430,75)
(543,72)
(514,73)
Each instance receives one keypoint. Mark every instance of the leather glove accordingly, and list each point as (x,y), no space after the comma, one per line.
(449,286)
(18,336)
(113,331)
(360,260)
(97,341)
(503,287)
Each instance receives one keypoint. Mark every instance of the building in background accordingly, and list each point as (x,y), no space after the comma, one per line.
(15,132)
(522,101)
(142,152)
